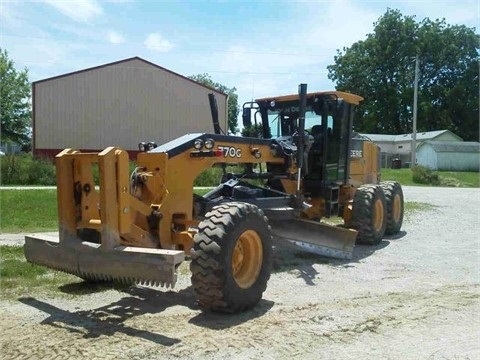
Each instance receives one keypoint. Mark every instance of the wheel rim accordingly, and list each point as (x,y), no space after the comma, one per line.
(247,259)
(378,215)
(396,208)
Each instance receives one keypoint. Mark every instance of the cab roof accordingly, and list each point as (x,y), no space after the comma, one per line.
(348,97)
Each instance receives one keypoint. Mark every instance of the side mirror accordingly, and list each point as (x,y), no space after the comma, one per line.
(247,117)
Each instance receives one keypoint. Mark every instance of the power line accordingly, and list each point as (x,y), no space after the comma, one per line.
(181,49)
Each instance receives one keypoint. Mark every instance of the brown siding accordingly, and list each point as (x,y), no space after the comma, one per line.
(120,104)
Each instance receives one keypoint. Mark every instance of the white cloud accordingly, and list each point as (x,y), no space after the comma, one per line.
(28,44)
(262,60)
(78,10)
(40,54)
(334,31)
(12,17)
(157,42)
(115,38)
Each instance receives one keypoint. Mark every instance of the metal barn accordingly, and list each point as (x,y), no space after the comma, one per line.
(449,155)
(119,104)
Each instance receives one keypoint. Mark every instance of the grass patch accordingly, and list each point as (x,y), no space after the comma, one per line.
(202,191)
(446,178)
(28,210)
(20,278)
(15,266)
(413,208)
(403,176)
(460,178)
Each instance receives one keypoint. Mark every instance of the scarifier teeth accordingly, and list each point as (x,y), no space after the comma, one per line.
(65,269)
(105,277)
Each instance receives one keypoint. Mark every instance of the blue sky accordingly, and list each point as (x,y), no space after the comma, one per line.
(262,48)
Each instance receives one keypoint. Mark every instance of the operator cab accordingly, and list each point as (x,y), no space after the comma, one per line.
(328,122)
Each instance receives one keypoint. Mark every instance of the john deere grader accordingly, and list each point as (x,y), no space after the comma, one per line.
(138,227)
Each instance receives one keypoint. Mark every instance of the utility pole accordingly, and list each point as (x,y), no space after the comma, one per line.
(414,126)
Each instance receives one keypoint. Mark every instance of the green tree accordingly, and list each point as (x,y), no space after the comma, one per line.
(381,68)
(255,131)
(233,109)
(15,98)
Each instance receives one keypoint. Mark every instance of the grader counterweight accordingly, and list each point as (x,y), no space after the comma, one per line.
(139,227)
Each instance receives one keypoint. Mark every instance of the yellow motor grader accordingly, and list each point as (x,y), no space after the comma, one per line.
(138,227)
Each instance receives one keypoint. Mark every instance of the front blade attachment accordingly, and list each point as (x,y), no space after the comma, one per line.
(87,260)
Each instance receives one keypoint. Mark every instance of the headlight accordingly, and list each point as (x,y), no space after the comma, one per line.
(142,147)
(209,144)
(198,144)
(151,145)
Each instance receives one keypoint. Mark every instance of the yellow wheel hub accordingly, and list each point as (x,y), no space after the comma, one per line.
(247,259)
(378,213)
(396,208)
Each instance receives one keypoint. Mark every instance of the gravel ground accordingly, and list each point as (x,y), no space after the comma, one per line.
(415,296)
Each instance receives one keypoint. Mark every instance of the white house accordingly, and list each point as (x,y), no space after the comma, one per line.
(449,155)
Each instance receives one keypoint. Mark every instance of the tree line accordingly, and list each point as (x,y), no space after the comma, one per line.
(381,68)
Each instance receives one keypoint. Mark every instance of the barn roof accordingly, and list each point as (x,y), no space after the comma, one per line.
(421,136)
(453,146)
(124,61)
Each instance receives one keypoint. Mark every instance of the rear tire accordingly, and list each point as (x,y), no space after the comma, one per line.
(369,215)
(395,204)
(231,257)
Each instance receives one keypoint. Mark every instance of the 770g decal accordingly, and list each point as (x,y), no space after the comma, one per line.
(230,151)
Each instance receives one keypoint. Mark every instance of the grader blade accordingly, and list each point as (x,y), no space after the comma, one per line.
(315,237)
(90,261)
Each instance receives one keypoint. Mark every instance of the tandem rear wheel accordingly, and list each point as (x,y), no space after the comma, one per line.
(369,214)
(395,206)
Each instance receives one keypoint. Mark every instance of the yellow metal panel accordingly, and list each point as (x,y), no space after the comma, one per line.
(108,198)
(123,175)
(348,97)
(65,196)
(83,176)
(170,184)
(140,238)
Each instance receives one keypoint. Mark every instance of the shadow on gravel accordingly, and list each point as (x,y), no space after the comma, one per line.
(150,300)
(88,287)
(303,263)
(363,251)
(221,321)
(397,236)
(108,320)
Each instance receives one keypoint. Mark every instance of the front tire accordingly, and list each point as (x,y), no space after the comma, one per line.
(231,257)
(369,216)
